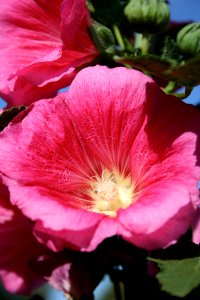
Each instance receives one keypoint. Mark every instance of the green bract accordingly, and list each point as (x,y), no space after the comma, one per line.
(148,15)
(188,39)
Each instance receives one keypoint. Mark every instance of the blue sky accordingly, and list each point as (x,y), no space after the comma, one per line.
(185,10)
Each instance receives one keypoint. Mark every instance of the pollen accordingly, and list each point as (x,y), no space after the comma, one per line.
(111,192)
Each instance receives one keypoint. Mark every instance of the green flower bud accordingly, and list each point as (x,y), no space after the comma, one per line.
(102,37)
(148,15)
(188,39)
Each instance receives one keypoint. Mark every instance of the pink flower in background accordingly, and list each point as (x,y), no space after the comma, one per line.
(18,248)
(43,44)
(75,273)
(113,155)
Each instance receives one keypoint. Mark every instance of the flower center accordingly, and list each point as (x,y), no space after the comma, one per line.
(111,192)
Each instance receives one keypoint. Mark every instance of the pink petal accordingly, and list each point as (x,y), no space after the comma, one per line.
(159,217)
(169,145)
(196,227)
(18,248)
(105,139)
(86,239)
(166,173)
(78,20)
(113,101)
(24,37)
(34,61)
(67,227)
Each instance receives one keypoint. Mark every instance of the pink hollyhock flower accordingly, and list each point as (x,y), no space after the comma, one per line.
(113,155)
(43,43)
(18,248)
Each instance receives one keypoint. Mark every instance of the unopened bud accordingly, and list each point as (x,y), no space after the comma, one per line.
(148,15)
(102,37)
(188,39)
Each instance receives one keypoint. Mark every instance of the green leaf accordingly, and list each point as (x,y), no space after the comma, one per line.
(186,73)
(150,63)
(171,50)
(8,115)
(178,277)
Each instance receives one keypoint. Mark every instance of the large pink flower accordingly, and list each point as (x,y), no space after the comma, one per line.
(18,248)
(113,155)
(43,43)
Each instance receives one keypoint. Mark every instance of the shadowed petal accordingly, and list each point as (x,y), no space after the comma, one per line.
(18,248)
(196,227)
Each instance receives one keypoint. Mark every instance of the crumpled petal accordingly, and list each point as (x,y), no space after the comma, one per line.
(35,60)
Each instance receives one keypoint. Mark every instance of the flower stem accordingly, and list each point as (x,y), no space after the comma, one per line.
(138,40)
(117,288)
(169,87)
(145,43)
(118,36)
(188,90)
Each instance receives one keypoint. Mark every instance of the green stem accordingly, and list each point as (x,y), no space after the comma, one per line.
(169,87)
(117,290)
(188,90)
(118,37)
(138,40)
(145,43)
